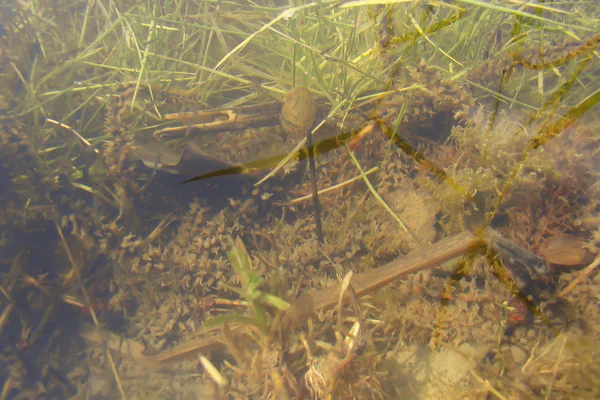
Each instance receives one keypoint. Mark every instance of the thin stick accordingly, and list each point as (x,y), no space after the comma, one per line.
(162,225)
(305,306)
(111,361)
(74,132)
(313,183)
(6,388)
(367,282)
(75,267)
(581,277)
(283,161)
(487,385)
(4,317)
(75,272)
(331,188)
(555,369)
(378,197)
(213,372)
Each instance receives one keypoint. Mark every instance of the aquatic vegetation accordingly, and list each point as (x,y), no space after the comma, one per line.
(429,120)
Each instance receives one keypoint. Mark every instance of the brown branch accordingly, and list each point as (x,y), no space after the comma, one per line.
(302,308)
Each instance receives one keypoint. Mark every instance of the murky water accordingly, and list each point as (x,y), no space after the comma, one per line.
(159,214)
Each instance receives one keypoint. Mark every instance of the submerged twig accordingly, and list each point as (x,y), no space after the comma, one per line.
(555,369)
(74,132)
(213,372)
(283,161)
(109,358)
(315,188)
(162,225)
(487,385)
(331,188)
(580,277)
(75,267)
(305,306)
(76,273)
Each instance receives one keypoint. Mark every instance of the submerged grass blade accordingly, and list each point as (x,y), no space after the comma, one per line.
(379,199)
(519,13)
(285,14)
(143,64)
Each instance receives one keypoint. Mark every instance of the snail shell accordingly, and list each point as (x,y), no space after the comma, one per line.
(298,112)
